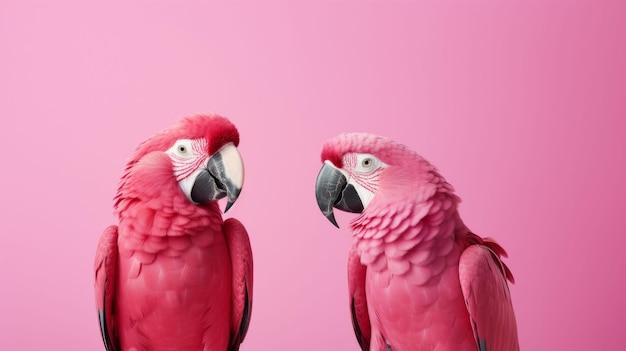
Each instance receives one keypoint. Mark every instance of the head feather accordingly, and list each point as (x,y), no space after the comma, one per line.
(410,173)
(217,130)
(384,148)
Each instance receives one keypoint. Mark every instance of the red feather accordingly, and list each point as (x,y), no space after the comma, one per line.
(426,281)
(177,277)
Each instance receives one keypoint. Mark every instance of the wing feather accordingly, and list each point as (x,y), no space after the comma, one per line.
(358,300)
(483,282)
(105,270)
(242,280)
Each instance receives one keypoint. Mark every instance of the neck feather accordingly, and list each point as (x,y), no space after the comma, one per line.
(398,236)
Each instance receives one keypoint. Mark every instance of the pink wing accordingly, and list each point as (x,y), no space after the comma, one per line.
(358,300)
(486,293)
(241,258)
(105,268)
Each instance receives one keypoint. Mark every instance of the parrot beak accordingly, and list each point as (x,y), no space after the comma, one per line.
(332,190)
(223,177)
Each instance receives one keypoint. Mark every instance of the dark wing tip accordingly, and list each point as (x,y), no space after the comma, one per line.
(363,342)
(245,319)
(111,342)
(237,338)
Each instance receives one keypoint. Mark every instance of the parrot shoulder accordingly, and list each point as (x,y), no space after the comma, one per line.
(105,271)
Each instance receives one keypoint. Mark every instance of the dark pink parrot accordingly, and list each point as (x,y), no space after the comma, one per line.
(173,275)
(418,278)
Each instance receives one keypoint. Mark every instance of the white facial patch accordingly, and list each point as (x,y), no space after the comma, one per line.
(187,155)
(187,183)
(363,171)
(189,158)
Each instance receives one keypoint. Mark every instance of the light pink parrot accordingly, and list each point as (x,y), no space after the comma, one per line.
(418,278)
(173,275)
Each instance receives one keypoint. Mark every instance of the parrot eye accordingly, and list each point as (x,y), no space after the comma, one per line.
(183,149)
(365,163)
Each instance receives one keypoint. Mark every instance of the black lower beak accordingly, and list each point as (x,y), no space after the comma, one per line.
(207,188)
(332,190)
(213,184)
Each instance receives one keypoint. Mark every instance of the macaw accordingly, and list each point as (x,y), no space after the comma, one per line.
(418,278)
(172,275)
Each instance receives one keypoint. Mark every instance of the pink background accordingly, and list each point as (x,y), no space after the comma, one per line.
(521,104)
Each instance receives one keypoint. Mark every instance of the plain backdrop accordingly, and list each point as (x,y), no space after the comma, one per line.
(520,104)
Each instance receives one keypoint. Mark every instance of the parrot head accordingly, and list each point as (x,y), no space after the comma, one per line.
(362,171)
(197,158)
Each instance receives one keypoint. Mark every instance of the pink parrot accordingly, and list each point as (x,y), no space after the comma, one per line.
(418,278)
(173,275)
